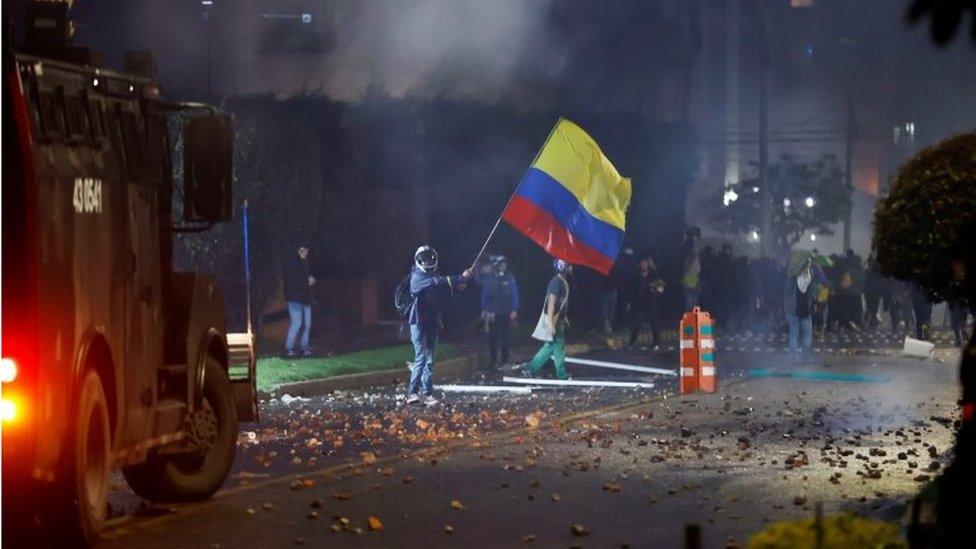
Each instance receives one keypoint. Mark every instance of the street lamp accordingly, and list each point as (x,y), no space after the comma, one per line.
(813,237)
(754,235)
(810,202)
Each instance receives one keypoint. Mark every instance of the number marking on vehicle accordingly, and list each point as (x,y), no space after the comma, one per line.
(87,195)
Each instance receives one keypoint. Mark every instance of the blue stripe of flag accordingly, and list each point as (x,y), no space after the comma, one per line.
(549,195)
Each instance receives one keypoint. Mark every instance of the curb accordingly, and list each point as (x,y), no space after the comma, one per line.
(460,367)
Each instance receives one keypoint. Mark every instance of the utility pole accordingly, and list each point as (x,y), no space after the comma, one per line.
(766,244)
(208,17)
(849,168)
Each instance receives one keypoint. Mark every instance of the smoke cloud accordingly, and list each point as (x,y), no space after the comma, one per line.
(466,48)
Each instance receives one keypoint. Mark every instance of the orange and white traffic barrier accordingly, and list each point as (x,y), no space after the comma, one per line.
(697,343)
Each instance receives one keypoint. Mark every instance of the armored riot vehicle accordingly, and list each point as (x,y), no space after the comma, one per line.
(110,358)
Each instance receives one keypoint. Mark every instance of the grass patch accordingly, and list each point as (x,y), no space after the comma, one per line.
(274,371)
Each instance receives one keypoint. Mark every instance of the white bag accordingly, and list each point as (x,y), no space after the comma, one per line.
(542,332)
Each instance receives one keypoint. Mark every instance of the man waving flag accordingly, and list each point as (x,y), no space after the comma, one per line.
(572,201)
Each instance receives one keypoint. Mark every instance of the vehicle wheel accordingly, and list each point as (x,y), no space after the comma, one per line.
(194,476)
(90,463)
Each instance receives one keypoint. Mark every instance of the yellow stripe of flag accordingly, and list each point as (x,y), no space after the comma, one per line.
(573,158)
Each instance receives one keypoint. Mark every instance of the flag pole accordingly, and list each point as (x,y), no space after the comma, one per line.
(512,197)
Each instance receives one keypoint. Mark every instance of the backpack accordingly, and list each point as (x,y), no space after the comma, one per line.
(402,300)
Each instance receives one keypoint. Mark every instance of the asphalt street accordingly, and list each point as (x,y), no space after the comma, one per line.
(594,468)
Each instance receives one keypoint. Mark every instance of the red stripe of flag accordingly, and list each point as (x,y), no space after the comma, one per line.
(545,231)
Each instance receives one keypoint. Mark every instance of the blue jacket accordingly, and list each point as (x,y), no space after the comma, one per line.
(428,292)
(499,294)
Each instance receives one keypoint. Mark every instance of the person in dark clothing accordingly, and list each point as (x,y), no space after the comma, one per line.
(899,304)
(849,288)
(297,282)
(834,301)
(428,290)
(709,279)
(874,289)
(922,308)
(691,268)
(647,288)
(742,295)
(771,275)
(499,308)
(722,287)
(958,314)
(798,307)
(621,280)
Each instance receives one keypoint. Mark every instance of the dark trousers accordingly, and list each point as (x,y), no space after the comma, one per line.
(873,299)
(957,315)
(640,314)
(899,314)
(850,309)
(498,339)
(923,318)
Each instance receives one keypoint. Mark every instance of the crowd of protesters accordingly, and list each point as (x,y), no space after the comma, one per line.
(805,294)
(841,293)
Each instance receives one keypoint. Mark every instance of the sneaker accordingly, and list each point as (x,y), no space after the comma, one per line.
(290,354)
(527,374)
(307,352)
(431,401)
(413,398)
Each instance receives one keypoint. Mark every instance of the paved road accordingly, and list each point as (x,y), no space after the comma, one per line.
(626,467)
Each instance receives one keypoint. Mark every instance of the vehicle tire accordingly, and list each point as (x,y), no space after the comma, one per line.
(198,476)
(85,505)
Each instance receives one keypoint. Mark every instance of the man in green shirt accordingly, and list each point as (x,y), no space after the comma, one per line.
(556,307)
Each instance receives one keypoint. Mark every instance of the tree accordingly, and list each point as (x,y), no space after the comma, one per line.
(946,16)
(924,231)
(279,159)
(805,197)
(926,222)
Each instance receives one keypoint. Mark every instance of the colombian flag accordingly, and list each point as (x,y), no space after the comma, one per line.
(572,201)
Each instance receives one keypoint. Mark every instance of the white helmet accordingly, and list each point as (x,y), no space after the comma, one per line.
(425,258)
